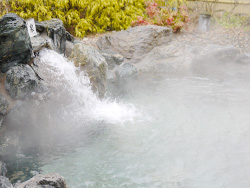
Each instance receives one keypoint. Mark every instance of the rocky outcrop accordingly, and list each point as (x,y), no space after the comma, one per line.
(55,30)
(112,58)
(52,180)
(135,42)
(52,35)
(3,169)
(21,81)
(5,183)
(14,41)
(3,108)
(93,63)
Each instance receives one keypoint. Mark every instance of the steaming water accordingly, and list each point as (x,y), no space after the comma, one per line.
(168,130)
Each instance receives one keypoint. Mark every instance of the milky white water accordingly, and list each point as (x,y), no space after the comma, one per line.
(168,130)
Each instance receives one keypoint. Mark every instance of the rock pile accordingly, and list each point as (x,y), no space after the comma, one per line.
(15,42)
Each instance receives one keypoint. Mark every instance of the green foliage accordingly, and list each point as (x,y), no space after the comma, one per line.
(85,16)
(3,8)
(230,20)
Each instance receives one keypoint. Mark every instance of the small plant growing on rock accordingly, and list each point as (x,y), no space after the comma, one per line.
(163,16)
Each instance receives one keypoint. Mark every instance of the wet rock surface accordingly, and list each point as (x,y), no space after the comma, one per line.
(52,180)
(135,42)
(55,30)
(14,41)
(5,183)
(93,63)
(21,81)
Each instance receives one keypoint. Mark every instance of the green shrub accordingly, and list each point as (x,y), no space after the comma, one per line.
(80,16)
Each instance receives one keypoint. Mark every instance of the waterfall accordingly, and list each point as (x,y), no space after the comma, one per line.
(72,88)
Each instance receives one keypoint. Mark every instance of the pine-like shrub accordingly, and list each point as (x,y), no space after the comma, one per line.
(79,16)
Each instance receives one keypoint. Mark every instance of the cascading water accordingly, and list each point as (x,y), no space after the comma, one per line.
(191,131)
(76,86)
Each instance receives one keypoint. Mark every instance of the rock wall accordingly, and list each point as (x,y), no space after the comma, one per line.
(52,34)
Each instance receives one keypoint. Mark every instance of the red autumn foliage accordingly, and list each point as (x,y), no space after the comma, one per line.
(163,16)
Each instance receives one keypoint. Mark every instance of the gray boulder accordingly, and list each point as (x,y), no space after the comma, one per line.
(112,58)
(135,42)
(14,41)
(125,70)
(3,109)
(93,63)
(52,180)
(55,30)
(5,183)
(3,169)
(21,81)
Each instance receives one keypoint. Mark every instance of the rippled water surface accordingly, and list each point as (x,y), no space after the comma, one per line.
(188,130)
